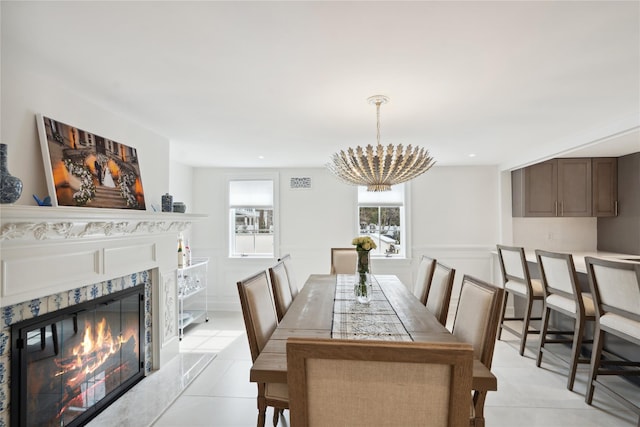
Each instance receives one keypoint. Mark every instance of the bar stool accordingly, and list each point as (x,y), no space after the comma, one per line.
(516,279)
(615,286)
(563,295)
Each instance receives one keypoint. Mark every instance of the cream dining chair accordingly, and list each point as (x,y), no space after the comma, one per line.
(343,260)
(293,283)
(476,323)
(439,292)
(423,278)
(615,286)
(378,383)
(260,320)
(518,283)
(563,295)
(281,288)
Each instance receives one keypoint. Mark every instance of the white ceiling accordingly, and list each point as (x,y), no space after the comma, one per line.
(227,82)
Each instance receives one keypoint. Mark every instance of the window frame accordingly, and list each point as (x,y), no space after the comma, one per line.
(405,224)
(231,227)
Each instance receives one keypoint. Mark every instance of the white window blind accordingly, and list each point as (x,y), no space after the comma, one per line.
(395,197)
(251,193)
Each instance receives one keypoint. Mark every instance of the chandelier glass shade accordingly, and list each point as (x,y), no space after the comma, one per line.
(381,167)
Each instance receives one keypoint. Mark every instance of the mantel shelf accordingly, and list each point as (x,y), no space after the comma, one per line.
(45,223)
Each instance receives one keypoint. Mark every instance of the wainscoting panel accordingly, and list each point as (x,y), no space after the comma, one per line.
(27,274)
(118,260)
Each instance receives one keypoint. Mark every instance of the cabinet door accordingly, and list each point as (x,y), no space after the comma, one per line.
(604,171)
(541,189)
(574,187)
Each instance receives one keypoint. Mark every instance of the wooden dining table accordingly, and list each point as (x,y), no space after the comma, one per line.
(311,315)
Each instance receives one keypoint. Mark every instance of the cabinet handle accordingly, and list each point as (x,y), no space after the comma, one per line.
(561,209)
(556,206)
(615,208)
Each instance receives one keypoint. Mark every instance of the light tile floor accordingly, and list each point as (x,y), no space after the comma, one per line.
(528,396)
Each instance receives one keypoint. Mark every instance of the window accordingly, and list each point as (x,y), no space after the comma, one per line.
(381,215)
(251,218)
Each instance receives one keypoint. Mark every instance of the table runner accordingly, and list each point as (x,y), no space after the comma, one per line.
(376,320)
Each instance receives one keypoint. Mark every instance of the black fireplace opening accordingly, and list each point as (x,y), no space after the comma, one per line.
(69,365)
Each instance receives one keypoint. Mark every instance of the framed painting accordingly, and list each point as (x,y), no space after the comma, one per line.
(88,170)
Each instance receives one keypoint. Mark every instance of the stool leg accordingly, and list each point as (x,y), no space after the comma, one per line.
(543,334)
(575,351)
(504,308)
(596,354)
(525,325)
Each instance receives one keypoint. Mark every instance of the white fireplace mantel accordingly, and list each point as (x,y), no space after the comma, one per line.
(25,223)
(44,250)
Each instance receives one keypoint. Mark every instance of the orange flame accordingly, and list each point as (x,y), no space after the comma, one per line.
(93,351)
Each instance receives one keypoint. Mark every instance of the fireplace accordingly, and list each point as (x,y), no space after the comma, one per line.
(55,258)
(68,365)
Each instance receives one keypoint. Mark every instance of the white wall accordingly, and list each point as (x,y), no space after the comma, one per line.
(181,184)
(454,212)
(455,217)
(26,91)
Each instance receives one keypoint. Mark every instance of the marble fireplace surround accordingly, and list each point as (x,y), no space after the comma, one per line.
(47,251)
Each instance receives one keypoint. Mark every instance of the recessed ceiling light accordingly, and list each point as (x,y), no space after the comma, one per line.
(472,155)
(261,157)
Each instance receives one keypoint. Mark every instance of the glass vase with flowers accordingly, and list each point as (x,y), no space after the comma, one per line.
(363,287)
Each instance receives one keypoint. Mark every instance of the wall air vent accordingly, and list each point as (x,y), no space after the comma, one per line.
(300,183)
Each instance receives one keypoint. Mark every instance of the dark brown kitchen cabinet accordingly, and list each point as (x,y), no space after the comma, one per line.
(565,188)
(535,190)
(604,171)
(574,187)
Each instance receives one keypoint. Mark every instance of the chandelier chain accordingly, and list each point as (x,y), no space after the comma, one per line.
(378,102)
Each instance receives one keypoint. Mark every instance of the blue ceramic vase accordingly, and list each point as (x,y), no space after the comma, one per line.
(10,186)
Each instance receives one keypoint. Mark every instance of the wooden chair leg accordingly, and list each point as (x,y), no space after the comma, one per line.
(262,406)
(276,416)
(575,352)
(478,408)
(596,354)
(543,334)
(504,308)
(525,325)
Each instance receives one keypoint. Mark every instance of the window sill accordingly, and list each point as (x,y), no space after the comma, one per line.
(388,257)
(251,257)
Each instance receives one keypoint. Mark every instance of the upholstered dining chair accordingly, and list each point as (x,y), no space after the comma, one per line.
(293,283)
(352,382)
(439,292)
(423,278)
(260,320)
(615,286)
(476,323)
(563,295)
(518,282)
(281,289)
(343,260)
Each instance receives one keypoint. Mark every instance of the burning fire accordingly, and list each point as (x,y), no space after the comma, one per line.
(93,351)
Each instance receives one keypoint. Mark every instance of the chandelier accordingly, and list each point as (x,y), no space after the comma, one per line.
(381,167)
